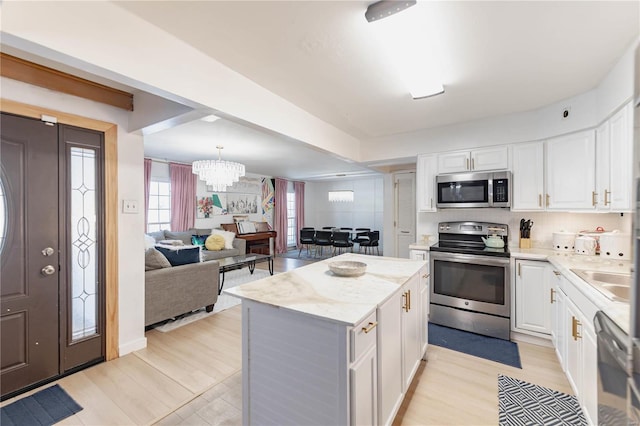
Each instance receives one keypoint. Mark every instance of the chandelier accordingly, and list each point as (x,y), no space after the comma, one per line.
(218,173)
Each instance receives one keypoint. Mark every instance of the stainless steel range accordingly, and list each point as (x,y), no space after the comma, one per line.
(471,285)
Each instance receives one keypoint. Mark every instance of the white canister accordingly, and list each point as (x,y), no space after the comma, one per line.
(615,245)
(586,245)
(564,241)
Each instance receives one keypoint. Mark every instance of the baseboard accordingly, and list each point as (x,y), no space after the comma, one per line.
(133,346)
(534,340)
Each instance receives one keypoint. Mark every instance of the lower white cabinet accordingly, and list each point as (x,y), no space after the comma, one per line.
(364,389)
(418,255)
(533,296)
(558,327)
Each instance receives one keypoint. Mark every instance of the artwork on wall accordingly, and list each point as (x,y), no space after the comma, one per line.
(204,207)
(245,185)
(242,203)
(268,200)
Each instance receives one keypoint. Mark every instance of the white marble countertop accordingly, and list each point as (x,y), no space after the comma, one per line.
(316,291)
(420,246)
(565,261)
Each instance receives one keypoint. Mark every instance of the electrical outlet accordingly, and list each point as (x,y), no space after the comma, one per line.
(130,206)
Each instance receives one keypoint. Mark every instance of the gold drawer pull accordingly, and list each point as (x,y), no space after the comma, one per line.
(606,197)
(574,328)
(594,196)
(552,294)
(370,327)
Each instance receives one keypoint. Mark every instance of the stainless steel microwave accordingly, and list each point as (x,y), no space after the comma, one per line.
(473,190)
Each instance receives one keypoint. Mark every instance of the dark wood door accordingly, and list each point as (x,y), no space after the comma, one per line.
(52,251)
(29,320)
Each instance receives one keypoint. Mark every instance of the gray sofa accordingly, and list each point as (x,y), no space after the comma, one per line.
(171,291)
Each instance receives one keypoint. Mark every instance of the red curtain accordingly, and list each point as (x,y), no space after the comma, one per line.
(183,197)
(147,185)
(280,218)
(298,188)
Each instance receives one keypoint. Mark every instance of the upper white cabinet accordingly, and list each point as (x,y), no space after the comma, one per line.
(527,162)
(426,181)
(494,158)
(614,148)
(570,173)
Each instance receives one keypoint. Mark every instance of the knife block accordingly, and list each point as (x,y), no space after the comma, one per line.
(525,243)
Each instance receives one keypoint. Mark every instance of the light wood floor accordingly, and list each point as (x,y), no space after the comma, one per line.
(192,375)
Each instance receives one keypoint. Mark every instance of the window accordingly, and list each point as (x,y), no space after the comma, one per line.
(291,219)
(159,215)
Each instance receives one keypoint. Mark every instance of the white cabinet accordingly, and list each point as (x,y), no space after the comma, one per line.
(427,169)
(364,399)
(590,373)
(533,296)
(558,322)
(400,343)
(424,309)
(574,346)
(494,158)
(527,160)
(614,149)
(570,174)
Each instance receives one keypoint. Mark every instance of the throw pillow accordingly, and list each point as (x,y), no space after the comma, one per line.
(228,237)
(198,240)
(153,259)
(149,242)
(180,255)
(214,242)
(171,242)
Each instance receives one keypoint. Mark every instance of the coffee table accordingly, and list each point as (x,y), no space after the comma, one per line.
(244,260)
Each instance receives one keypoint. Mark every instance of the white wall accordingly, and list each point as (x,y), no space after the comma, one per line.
(366,211)
(130,226)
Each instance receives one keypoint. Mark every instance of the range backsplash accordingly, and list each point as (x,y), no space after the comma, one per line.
(545,223)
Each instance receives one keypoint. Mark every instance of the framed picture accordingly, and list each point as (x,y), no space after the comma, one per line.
(242,203)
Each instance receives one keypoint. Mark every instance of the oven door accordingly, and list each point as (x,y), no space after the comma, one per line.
(471,282)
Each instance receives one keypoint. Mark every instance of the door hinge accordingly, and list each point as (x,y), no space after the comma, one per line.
(49,120)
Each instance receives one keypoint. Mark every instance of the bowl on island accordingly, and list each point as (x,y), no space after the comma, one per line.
(347,268)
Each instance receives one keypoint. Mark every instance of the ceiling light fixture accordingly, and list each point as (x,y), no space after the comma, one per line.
(403,28)
(342,196)
(218,173)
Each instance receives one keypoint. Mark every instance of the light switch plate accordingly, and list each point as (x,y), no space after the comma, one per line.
(130,206)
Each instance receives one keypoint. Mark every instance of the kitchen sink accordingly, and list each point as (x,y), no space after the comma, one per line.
(612,285)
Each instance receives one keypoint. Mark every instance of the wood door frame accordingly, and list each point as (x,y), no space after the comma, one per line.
(110,131)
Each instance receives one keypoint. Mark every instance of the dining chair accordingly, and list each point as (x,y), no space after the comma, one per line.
(373,241)
(341,240)
(323,239)
(307,238)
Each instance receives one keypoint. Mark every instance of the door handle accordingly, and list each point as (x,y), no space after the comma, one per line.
(539,200)
(48,270)
(370,327)
(552,294)
(606,197)
(594,200)
(48,251)
(473,166)
(467,164)
(548,199)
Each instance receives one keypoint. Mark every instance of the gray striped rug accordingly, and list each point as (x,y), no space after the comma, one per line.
(523,403)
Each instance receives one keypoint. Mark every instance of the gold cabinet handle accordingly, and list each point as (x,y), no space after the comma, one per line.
(606,197)
(556,273)
(594,198)
(539,200)
(548,200)
(431,203)
(405,295)
(553,292)
(425,276)
(473,166)
(370,327)
(574,328)
(519,269)
(467,164)
(409,291)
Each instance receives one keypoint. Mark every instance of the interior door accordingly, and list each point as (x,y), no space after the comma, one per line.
(405,212)
(28,253)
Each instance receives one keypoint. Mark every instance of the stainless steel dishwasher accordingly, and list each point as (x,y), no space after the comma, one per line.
(613,362)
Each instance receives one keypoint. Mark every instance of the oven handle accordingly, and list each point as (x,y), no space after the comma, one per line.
(469,258)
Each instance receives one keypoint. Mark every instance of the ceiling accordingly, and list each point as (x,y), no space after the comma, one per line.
(499,57)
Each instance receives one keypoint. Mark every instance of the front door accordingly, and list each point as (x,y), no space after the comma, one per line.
(51,251)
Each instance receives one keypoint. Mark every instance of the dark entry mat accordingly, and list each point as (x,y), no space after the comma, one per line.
(45,407)
(489,348)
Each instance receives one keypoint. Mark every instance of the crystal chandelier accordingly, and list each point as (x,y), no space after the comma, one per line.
(218,173)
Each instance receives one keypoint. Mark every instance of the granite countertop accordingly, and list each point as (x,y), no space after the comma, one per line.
(618,311)
(314,290)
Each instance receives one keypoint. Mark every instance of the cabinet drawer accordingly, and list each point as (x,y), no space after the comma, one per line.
(363,336)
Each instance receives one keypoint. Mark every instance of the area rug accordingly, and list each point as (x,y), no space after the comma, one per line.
(523,403)
(232,279)
(44,407)
(490,348)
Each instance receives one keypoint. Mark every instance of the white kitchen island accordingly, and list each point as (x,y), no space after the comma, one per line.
(319,349)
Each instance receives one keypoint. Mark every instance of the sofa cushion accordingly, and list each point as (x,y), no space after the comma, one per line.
(158,235)
(200,231)
(184,236)
(214,242)
(220,254)
(153,259)
(228,237)
(199,240)
(180,255)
